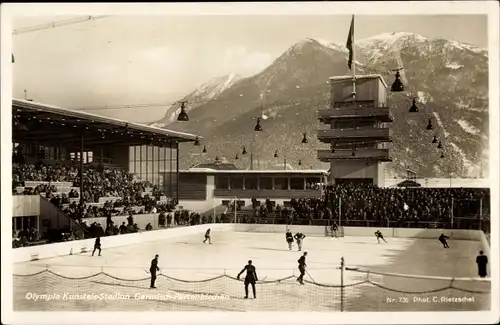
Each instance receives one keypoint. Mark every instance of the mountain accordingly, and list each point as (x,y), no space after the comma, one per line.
(200,96)
(448,78)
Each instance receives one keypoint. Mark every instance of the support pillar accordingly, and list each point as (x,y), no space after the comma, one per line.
(170,171)
(81,174)
(177,169)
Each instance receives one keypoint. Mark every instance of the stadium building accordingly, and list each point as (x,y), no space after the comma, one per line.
(52,135)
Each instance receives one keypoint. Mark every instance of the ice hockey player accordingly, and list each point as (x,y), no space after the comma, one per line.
(289,238)
(379,236)
(207,237)
(250,278)
(302,268)
(334,229)
(299,237)
(153,269)
(481,261)
(442,240)
(97,245)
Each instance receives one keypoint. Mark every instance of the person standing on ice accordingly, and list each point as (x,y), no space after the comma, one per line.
(289,238)
(481,261)
(299,237)
(153,269)
(97,246)
(302,268)
(250,278)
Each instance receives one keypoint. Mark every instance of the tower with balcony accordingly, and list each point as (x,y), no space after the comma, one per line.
(357,130)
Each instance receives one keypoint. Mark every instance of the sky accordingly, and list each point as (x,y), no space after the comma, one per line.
(122,60)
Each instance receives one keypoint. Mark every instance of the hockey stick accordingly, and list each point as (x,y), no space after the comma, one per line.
(310,277)
(159,272)
(260,281)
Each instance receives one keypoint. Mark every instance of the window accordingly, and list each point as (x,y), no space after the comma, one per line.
(281,183)
(236,182)
(344,124)
(131,167)
(311,182)
(221,182)
(137,155)
(156,167)
(131,153)
(266,183)
(143,170)
(296,183)
(251,183)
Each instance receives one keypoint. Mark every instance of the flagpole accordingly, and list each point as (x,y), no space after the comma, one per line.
(353,64)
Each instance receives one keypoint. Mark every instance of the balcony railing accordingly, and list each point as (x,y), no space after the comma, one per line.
(382,114)
(361,153)
(326,135)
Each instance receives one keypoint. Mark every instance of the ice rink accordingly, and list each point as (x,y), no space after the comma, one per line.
(197,276)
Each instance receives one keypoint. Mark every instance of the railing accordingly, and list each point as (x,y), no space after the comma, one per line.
(361,153)
(381,113)
(248,218)
(372,132)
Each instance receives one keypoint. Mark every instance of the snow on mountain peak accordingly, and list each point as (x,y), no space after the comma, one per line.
(386,40)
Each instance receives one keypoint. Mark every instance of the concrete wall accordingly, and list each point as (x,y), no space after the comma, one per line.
(25,205)
(140,219)
(25,254)
(56,217)
(444,182)
(459,234)
(355,169)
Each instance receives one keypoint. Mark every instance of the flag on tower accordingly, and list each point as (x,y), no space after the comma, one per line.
(350,44)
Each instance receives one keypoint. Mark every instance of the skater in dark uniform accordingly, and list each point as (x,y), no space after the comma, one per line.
(482,261)
(299,237)
(250,278)
(153,269)
(379,236)
(443,241)
(289,238)
(334,229)
(302,268)
(97,245)
(207,237)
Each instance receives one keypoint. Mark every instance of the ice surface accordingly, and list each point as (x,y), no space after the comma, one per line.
(187,258)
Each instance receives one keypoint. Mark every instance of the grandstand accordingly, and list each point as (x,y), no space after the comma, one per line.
(54,147)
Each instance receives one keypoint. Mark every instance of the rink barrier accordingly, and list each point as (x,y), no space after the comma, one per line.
(422,233)
(24,254)
(76,247)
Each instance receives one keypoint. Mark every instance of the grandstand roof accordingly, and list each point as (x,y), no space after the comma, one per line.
(251,171)
(51,124)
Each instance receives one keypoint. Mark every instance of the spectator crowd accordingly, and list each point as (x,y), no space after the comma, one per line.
(355,205)
(367,205)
